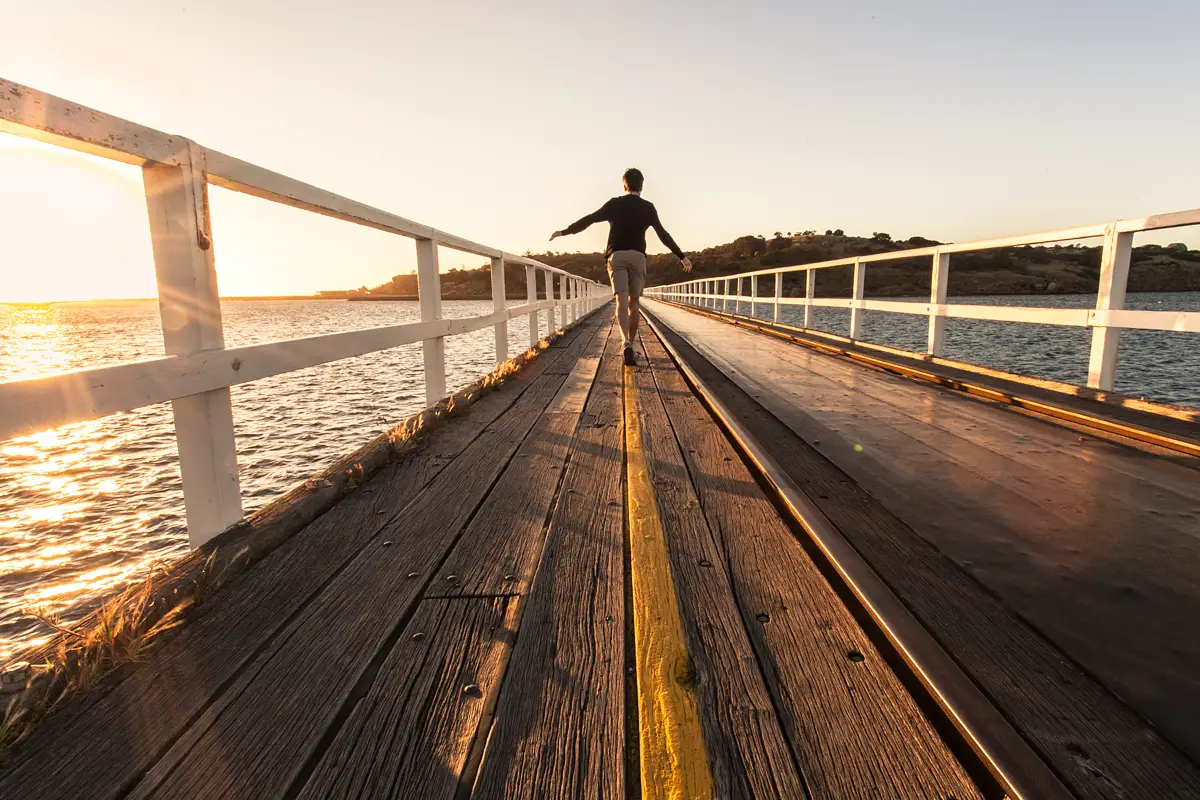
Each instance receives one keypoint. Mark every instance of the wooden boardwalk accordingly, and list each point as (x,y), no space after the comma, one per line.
(1062,571)
(474,622)
(581,588)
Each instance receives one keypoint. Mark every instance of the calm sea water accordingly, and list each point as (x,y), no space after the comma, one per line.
(86,508)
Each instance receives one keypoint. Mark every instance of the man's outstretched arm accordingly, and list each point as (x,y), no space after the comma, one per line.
(582,224)
(666,239)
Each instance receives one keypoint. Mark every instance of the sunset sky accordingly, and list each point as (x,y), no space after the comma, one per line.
(502,122)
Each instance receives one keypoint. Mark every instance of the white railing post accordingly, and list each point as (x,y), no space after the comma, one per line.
(190,308)
(737,296)
(856,313)
(753,295)
(562,309)
(810,289)
(937,299)
(531,298)
(548,276)
(726,290)
(778,292)
(1114,277)
(499,305)
(564,287)
(429,292)
(566,296)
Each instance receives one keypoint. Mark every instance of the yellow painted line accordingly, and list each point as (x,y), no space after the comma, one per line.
(674,761)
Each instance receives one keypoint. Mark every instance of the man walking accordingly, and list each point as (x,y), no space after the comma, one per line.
(628,217)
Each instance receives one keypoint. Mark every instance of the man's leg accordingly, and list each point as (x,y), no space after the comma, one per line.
(625,306)
(623,315)
(618,276)
(637,282)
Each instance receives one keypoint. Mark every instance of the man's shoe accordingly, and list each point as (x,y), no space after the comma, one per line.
(630,358)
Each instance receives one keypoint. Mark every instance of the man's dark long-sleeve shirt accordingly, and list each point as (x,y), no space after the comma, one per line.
(629,216)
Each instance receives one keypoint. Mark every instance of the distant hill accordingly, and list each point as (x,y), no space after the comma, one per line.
(1056,269)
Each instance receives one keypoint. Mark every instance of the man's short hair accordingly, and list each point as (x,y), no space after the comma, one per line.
(633,179)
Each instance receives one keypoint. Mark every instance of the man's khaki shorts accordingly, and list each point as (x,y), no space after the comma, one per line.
(627,272)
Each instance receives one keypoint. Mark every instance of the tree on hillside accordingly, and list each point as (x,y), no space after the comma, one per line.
(748,246)
(839,232)
(879,236)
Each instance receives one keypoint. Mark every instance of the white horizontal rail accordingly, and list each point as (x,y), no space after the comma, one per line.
(1179,321)
(1107,319)
(39,404)
(37,115)
(196,374)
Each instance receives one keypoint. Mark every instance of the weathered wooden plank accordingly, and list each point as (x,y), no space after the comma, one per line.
(747,752)
(855,730)
(411,734)
(255,740)
(500,550)
(100,744)
(1094,543)
(388,749)
(1097,745)
(560,728)
(1035,460)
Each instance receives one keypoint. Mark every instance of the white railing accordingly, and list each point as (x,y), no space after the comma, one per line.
(1106,320)
(198,370)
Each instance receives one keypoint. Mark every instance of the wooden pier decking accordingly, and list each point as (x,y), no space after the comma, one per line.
(463,624)
(580,588)
(1061,574)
